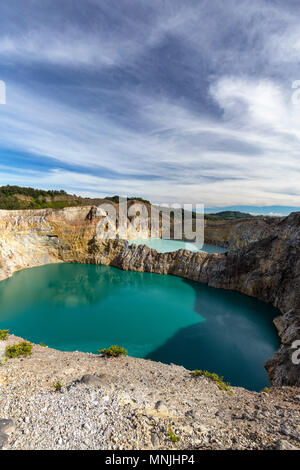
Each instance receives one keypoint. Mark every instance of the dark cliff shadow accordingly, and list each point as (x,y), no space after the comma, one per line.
(235,339)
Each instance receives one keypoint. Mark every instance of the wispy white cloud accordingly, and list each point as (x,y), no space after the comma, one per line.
(186,168)
(116,34)
(72,43)
(240,147)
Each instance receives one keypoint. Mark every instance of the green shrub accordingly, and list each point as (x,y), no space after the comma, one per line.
(113,351)
(266,390)
(172,436)
(17,350)
(58,386)
(3,334)
(43,345)
(215,377)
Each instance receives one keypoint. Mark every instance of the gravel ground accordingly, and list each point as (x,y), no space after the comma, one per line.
(129,403)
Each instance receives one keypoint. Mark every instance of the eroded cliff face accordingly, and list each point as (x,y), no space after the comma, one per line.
(234,234)
(36,237)
(268,269)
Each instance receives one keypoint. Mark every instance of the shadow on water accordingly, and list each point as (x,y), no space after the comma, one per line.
(235,339)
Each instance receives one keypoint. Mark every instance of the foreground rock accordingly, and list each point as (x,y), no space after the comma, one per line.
(132,405)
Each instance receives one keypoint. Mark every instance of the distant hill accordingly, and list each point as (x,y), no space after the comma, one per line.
(229,215)
(17,197)
(115,199)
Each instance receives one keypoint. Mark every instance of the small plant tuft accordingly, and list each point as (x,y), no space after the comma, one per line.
(215,377)
(43,345)
(266,390)
(17,350)
(3,334)
(172,436)
(58,386)
(113,351)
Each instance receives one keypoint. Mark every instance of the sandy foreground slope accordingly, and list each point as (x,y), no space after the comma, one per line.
(129,403)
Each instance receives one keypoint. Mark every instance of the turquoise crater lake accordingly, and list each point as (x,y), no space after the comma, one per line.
(160,317)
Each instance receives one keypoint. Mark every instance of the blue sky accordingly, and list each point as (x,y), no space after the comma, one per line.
(170,100)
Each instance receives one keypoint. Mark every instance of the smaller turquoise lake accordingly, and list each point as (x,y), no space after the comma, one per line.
(161,317)
(165,246)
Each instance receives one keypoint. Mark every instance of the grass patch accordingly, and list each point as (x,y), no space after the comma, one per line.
(215,377)
(3,334)
(172,436)
(18,350)
(113,351)
(58,386)
(266,390)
